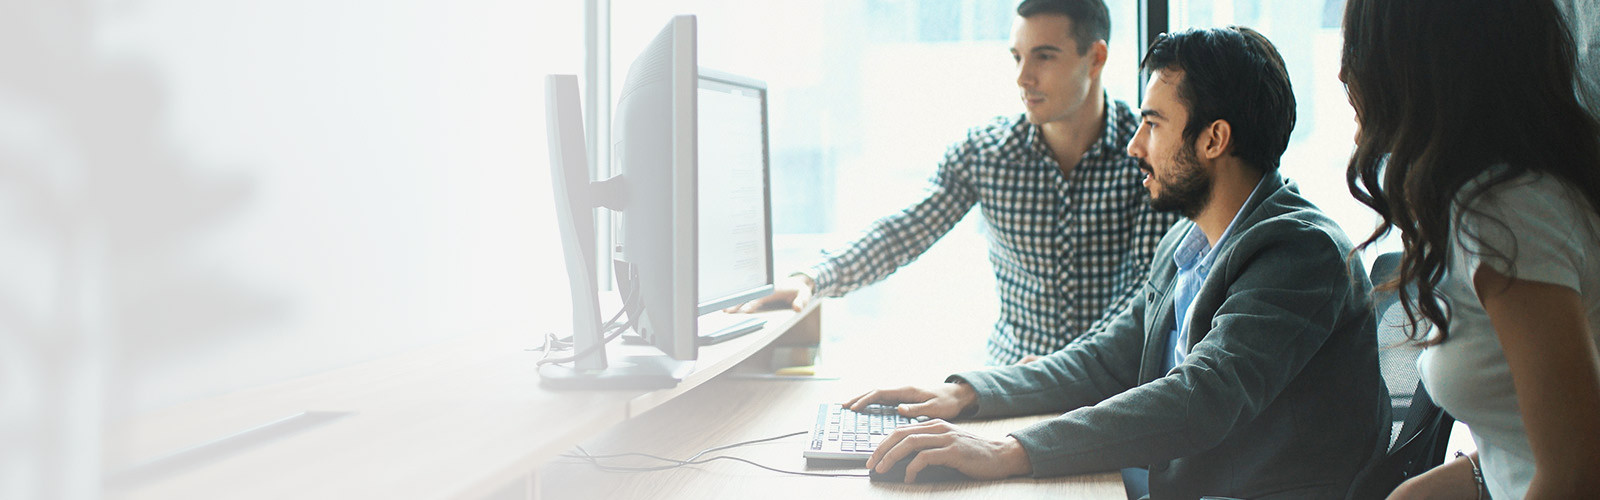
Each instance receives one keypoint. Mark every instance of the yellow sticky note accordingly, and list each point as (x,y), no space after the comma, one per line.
(798,371)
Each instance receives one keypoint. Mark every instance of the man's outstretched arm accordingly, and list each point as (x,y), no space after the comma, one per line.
(887,244)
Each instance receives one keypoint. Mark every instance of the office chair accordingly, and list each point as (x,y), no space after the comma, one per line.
(1421,430)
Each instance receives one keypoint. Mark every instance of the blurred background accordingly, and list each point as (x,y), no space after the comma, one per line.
(868,94)
(202,196)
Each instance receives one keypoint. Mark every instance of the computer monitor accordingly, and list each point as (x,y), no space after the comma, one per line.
(735,202)
(654,150)
(679,131)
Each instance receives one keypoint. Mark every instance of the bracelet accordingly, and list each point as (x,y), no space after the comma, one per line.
(1477,473)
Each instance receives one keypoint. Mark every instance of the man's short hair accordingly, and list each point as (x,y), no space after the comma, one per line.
(1232,74)
(1091,21)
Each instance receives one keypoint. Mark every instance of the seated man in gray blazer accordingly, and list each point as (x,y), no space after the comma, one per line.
(1246,368)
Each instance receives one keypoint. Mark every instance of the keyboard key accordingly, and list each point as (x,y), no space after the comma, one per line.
(841,430)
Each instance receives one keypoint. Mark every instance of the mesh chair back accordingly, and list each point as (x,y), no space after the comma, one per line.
(1421,430)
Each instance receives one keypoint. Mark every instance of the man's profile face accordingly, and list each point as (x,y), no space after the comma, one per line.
(1173,173)
(1053,78)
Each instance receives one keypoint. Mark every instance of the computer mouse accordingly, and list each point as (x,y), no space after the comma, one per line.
(929,474)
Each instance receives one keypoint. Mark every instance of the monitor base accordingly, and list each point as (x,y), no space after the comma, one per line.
(628,372)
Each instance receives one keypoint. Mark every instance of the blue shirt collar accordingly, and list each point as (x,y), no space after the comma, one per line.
(1195,249)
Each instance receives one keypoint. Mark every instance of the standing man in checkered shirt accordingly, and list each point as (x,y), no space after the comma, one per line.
(1071,228)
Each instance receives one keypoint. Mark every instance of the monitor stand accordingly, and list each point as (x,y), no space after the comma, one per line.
(715,328)
(576,198)
(622,371)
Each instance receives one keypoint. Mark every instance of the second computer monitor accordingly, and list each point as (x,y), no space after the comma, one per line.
(690,149)
(734,199)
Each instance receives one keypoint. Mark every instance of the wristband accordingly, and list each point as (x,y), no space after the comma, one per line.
(1477,473)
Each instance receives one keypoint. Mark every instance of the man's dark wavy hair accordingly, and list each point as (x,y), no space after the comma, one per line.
(1236,75)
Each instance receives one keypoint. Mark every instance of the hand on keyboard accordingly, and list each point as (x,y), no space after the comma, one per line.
(945,401)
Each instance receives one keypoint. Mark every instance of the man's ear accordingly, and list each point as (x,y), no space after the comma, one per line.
(1097,58)
(1214,141)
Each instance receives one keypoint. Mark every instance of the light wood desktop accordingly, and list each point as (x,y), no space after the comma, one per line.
(906,343)
(732,410)
(461,420)
(469,420)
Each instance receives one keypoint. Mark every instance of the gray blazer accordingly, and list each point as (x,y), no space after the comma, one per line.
(1280,396)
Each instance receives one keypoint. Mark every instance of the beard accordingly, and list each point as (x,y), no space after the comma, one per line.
(1189,188)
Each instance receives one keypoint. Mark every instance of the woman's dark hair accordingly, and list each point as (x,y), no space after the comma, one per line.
(1444,90)
(1232,74)
(1091,20)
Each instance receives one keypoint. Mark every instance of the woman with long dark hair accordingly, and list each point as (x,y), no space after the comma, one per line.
(1473,145)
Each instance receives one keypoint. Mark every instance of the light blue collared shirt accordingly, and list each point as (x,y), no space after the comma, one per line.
(1193,258)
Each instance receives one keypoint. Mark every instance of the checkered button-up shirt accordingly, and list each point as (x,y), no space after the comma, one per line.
(1068,252)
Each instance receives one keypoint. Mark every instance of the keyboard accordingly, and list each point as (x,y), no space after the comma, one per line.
(841,434)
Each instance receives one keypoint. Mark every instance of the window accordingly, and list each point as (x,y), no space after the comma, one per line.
(866,96)
(866,93)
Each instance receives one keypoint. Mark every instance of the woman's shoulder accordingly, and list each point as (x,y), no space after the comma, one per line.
(1507,193)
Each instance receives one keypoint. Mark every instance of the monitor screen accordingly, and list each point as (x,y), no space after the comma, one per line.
(735,263)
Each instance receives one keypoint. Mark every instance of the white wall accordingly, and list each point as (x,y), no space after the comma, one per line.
(198,196)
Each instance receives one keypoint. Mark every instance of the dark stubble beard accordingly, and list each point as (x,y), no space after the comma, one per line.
(1190,188)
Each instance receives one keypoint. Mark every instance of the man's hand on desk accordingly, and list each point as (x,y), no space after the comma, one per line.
(792,292)
(945,401)
(943,443)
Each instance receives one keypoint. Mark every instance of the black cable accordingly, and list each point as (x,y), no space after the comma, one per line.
(697,455)
(747,443)
(580,354)
(694,460)
(612,468)
(551,341)
(610,331)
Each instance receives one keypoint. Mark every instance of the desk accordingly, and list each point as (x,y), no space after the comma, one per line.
(461,420)
(469,420)
(732,410)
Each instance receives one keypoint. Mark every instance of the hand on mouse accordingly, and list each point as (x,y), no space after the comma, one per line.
(943,401)
(937,442)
